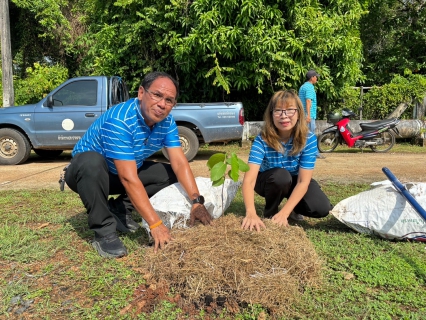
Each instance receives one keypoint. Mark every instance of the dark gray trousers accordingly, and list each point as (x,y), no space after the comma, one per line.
(276,184)
(88,176)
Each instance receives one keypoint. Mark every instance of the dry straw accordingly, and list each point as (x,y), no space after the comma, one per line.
(222,261)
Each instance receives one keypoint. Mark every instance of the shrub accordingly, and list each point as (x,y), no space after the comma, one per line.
(39,82)
(379,102)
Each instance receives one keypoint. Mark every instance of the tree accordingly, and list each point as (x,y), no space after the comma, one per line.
(223,50)
(394,38)
(46,32)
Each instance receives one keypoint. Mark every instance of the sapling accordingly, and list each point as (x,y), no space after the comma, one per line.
(218,164)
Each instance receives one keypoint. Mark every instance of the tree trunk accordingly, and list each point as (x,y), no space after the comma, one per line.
(398,111)
(421,109)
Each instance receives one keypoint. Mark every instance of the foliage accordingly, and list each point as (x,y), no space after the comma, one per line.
(379,102)
(394,38)
(45,31)
(229,50)
(226,50)
(218,164)
(39,82)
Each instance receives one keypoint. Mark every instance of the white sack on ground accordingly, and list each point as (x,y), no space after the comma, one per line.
(173,206)
(383,211)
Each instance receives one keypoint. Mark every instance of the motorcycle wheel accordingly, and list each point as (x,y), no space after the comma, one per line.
(327,142)
(388,139)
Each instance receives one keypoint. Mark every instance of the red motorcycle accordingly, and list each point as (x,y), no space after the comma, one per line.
(377,135)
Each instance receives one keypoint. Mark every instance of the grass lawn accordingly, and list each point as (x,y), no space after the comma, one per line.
(48,269)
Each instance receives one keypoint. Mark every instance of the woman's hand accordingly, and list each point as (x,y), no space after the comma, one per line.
(280,219)
(162,236)
(253,222)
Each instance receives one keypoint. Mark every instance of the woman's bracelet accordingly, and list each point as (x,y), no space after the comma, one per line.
(155,225)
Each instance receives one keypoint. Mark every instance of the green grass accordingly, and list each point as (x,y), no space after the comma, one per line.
(47,261)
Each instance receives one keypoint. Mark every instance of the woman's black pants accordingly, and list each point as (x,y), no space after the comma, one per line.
(276,184)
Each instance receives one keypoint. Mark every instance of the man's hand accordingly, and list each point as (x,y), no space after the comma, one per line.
(161,235)
(199,212)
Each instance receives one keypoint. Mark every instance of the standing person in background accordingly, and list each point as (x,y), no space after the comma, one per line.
(282,161)
(308,96)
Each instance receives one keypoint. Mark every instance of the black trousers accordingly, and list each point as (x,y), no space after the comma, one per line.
(276,184)
(88,175)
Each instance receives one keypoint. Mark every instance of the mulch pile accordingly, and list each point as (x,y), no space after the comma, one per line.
(222,265)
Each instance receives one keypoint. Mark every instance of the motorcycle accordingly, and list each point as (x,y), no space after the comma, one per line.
(378,135)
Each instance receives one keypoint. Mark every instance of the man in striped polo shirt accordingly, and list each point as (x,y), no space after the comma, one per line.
(111,159)
(308,96)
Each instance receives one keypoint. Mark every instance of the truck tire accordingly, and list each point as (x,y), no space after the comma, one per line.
(14,147)
(189,142)
(48,153)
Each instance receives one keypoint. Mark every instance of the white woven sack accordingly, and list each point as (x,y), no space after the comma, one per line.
(173,205)
(383,211)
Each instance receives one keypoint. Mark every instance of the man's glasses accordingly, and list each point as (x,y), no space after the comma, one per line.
(287,112)
(170,102)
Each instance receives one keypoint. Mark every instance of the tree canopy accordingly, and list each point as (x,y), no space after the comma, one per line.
(394,39)
(222,50)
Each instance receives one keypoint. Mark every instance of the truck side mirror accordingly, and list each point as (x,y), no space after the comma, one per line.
(49,101)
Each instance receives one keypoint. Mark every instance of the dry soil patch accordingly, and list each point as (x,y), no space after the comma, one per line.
(40,173)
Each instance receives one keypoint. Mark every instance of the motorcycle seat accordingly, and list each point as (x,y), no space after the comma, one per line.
(377,124)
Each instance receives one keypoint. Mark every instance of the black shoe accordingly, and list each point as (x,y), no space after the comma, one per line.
(125,222)
(109,246)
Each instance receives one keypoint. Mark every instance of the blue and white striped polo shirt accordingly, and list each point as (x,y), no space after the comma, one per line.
(268,158)
(307,91)
(122,134)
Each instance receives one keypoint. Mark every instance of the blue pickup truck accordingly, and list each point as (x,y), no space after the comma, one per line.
(59,120)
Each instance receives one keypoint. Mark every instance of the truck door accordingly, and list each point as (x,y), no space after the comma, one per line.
(75,106)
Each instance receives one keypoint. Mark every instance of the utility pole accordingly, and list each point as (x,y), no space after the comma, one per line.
(6,55)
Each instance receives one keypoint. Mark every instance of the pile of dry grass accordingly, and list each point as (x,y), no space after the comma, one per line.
(223,261)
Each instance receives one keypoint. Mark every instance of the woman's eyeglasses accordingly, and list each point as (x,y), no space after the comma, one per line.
(286,112)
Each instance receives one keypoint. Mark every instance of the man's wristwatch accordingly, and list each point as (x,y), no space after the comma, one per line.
(199,199)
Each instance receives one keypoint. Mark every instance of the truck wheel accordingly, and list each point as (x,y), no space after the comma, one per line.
(48,153)
(189,142)
(14,147)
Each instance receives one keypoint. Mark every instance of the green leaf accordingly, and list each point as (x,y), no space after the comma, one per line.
(219,182)
(234,175)
(234,172)
(218,171)
(243,167)
(214,159)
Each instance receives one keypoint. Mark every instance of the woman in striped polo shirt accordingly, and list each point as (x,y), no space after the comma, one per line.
(282,159)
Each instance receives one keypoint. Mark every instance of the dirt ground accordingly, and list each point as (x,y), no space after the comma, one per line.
(38,173)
